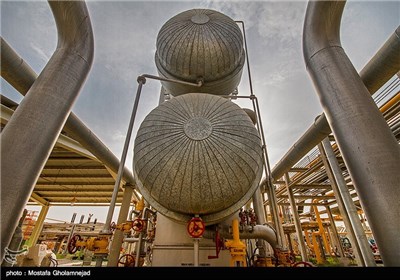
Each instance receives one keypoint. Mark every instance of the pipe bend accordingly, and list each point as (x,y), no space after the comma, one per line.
(264,232)
(74,29)
(321,27)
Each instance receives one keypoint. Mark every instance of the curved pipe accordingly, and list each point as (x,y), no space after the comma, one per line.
(369,149)
(264,232)
(20,75)
(31,133)
(382,66)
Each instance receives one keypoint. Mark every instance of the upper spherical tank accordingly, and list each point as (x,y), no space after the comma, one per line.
(197,154)
(203,45)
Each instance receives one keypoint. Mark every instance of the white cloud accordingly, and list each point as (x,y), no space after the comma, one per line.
(41,53)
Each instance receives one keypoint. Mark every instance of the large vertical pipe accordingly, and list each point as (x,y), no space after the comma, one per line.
(29,137)
(259,210)
(296,218)
(273,206)
(118,234)
(339,187)
(259,207)
(368,147)
(278,225)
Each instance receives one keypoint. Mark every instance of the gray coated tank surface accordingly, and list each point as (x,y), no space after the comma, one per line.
(197,154)
(200,44)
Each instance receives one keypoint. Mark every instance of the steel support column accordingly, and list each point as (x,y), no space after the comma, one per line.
(118,234)
(346,204)
(277,221)
(296,218)
(334,235)
(259,210)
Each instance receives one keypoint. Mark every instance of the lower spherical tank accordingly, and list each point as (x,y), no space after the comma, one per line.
(197,154)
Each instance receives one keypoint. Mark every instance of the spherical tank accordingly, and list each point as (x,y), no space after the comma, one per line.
(200,45)
(197,154)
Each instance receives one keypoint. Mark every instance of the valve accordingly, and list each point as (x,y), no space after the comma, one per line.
(127,260)
(196,227)
(138,224)
(284,258)
(243,217)
(124,227)
(97,244)
(252,217)
(302,264)
(74,244)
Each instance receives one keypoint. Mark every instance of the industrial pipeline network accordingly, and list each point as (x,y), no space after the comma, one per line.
(202,192)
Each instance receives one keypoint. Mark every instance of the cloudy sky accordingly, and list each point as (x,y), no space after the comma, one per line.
(125,35)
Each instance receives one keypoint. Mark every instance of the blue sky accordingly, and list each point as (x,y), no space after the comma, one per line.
(125,34)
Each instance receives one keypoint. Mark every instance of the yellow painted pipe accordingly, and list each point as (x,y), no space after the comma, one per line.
(320,225)
(317,250)
(321,229)
(140,205)
(390,103)
(308,239)
(235,230)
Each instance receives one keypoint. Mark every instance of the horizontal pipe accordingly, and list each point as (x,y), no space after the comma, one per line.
(384,64)
(131,239)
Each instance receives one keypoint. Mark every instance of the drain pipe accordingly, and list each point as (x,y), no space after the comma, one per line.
(31,133)
(21,76)
(369,149)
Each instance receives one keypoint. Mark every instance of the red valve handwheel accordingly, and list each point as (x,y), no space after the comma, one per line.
(127,260)
(72,248)
(302,264)
(138,224)
(196,227)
